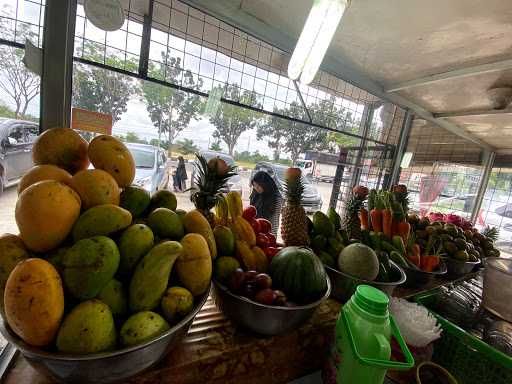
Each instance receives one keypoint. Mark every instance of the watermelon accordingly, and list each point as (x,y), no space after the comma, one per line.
(299,273)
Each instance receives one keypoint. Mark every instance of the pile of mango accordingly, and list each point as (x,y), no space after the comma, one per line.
(98,264)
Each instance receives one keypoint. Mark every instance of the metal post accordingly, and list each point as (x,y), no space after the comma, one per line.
(338,178)
(366,123)
(56,81)
(402,146)
(146,41)
(484,180)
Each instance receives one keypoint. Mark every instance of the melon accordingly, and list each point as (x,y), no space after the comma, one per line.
(360,261)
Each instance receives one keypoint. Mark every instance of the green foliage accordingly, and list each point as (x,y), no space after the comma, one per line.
(250,157)
(231,121)
(186,146)
(171,110)
(215,146)
(132,137)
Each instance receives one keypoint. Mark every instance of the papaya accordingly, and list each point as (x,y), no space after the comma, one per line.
(163,199)
(194,266)
(235,205)
(62,147)
(151,276)
(45,213)
(88,328)
(195,222)
(110,154)
(225,240)
(95,187)
(243,230)
(166,224)
(103,219)
(134,243)
(12,251)
(141,327)
(43,172)
(34,301)
(89,265)
(135,199)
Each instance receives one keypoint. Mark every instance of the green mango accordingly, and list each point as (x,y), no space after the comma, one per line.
(134,242)
(166,224)
(151,276)
(225,240)
(327,259)
(89,265)
(322,225)
(163,199)
(103,220)
(89,328)
(319,243)
(334,217)
(141,327)
(135,199)
(114,295)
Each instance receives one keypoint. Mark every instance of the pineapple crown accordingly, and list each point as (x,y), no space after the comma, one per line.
(293,186)
(491,233)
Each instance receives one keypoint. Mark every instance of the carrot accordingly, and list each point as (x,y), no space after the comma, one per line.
(387,222)
(376,219)
(403,230)
(363,216)
(394,227)
(429,263)
(415,255)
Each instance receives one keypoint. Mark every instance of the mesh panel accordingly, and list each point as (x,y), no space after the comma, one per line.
(21,20)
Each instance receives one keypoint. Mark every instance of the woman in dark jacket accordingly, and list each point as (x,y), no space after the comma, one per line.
(265,196)
(181,175)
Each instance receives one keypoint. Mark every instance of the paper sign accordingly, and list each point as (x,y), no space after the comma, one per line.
(107,15)
(33,58)
(85,120)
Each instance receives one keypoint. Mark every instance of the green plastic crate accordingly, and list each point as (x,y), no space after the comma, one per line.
(466,357)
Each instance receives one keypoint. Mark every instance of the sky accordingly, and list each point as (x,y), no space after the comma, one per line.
(136,118)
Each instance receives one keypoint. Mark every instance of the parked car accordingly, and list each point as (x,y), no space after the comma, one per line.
(150,166)
(234,182)
(16,140)
(311,200)
(505,210)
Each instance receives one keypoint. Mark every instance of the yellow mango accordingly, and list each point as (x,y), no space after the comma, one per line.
(43,172)
(95,187)
(243,230)
(12,251)
(194,265)
(195,222)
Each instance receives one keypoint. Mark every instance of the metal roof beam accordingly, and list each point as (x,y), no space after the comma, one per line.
(452,74)
(476,112)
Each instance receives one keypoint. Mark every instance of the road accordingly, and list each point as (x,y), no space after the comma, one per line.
(7,204)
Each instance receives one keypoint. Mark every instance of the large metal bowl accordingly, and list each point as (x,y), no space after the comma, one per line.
(263,319)
(416,278)
(104,367)
(459,268)
(344,285)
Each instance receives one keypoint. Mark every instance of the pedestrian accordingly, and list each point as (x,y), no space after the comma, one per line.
(265,196)
(181,175)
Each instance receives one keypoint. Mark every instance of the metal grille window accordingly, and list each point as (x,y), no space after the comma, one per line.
(21,20)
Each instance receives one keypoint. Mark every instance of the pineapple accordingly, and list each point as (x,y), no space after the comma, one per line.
(351,221)
(209,179)
(491,233)
(294,222)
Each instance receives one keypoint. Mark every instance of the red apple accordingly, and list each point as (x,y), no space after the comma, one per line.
(262,240)
(249,213)
(272,241)
(255,224)
(265,225)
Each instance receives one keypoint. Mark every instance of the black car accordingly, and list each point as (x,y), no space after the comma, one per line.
(311,200)
(16,140)
(234,182)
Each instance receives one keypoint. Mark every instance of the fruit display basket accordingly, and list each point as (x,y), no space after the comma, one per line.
(469,359)
(105,367)
(344,285)
(263,319)
(457,268)
(417,278)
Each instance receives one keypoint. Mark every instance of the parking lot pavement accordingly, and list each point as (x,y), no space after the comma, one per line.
(7,205)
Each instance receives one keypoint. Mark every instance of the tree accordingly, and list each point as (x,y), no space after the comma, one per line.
(231,121)
(187,146)
(169,109)
(132,137)
(274,128)
(215,146)
(16,81)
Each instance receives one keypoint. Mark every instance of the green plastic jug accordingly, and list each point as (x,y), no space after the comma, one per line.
(363,332)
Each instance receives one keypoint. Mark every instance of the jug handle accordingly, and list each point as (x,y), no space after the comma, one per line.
(386,364)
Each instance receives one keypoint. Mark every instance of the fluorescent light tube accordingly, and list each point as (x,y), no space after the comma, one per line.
(322,21)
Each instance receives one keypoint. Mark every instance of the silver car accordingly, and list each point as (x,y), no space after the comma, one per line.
(151,171)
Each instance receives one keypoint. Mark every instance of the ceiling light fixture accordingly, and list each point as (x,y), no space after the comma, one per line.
(322,21)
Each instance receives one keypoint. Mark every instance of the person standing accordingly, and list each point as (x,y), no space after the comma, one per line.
(181,175)
(266,198)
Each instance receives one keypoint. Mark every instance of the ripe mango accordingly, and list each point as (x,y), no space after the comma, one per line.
(89,265)
(110,154)
(243,230)
(135,199)
(225,240)
(151,276)
(43,172)
(89,328)
(12,251)
(134,242)
(45,213)
(166,224)
(163,199)
(176,304)
(62,147)
(195,222)
(34,301)
(141,327)
(194,266)
(102,219)
(113,294)
(95,187)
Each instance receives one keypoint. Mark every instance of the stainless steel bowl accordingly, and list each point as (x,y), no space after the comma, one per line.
(104,367)
(344,285)
(263,319)
(458,267)
(416,278)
